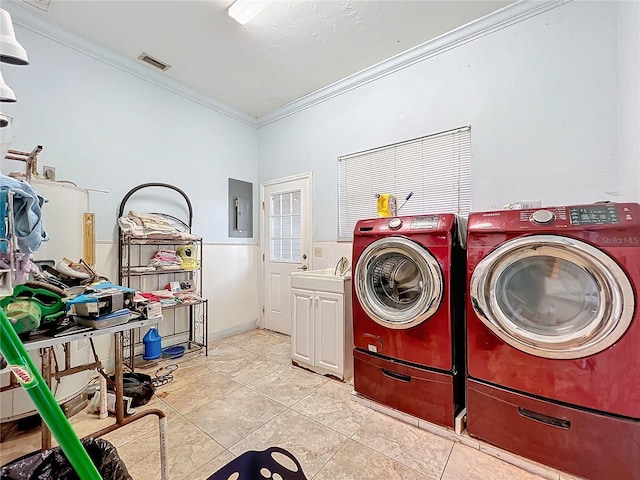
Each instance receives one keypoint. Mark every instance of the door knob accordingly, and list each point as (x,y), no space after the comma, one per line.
(303,267)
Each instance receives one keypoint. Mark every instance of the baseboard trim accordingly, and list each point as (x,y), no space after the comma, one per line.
(228,332)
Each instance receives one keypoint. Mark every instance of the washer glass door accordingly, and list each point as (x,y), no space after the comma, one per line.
(398,282)
(552,296)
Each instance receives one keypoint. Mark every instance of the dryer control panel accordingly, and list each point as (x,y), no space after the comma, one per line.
(586,217)
(427,222)
(594,215)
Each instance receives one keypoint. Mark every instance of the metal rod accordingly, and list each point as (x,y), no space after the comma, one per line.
(164,444)
(45,359)
(119,382)
(104,413)
(67,355)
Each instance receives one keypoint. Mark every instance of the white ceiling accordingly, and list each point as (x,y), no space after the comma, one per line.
(289,50)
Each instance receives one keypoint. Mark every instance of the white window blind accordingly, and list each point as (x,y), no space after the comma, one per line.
(436,168)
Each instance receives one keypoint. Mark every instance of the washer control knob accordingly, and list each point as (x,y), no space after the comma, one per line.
(542,217)
(395,223)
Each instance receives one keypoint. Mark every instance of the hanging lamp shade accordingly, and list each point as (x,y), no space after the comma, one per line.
(5,121)
(6,93)
(10,50)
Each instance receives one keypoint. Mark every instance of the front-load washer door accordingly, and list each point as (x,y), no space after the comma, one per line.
(552,296)
(398,283)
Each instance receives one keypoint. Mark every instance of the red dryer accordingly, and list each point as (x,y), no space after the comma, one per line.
(553,336)
(408,305)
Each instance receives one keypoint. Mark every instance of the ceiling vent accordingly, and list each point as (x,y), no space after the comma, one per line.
(154,62)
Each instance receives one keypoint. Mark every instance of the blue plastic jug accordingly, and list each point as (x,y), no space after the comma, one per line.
(152,345)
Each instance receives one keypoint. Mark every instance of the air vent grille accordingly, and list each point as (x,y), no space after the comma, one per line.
(154,62)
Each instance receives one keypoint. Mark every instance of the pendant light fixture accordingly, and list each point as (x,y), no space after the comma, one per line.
(6,93)
(10,50)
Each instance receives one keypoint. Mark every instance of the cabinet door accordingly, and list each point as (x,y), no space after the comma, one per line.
(329,332)
(302,335)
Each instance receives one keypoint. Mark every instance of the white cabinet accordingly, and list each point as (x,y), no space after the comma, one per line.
(322,333)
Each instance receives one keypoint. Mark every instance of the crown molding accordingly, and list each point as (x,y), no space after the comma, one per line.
(23,16)
(503,18)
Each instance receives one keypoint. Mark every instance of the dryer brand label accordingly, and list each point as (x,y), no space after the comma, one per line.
(620,240)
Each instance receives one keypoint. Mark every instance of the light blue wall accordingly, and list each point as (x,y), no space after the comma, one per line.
(542,97)
(629,98)
(104,128)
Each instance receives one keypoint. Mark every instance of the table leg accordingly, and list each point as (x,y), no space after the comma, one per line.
(45,358)
(119,389)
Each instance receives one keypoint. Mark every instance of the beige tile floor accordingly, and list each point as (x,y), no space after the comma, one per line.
(245,395)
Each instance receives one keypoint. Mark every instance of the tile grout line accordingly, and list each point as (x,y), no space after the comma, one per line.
(447,462)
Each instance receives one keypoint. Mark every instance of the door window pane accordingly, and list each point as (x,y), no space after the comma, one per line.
(295,226)
(296,249)
(295,203)
(285,236)
(275,205)
(548,295)
(286,249)
(276,229)
(276,249)
(286,227)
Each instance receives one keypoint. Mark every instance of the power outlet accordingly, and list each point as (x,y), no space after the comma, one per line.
(49,172)
(317,251)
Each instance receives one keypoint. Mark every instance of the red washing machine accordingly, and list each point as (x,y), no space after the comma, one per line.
(553,336)
(408,307)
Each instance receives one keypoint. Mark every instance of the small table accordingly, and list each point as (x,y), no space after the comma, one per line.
(45,344)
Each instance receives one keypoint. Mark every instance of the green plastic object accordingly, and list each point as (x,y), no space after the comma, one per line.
(22,366)
(29,307)
(24,315)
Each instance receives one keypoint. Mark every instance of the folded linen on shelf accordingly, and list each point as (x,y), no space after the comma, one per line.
(151,225)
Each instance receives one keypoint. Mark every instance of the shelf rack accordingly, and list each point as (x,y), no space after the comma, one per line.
(134,250)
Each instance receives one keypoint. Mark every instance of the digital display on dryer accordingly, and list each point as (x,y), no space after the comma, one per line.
(425,222)
(596,215)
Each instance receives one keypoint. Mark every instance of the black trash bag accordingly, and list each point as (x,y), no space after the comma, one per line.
(138,386)
(53,464)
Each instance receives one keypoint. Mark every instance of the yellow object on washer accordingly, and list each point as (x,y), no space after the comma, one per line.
(387,205)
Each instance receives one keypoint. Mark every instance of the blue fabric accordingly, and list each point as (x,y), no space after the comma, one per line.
(27,213)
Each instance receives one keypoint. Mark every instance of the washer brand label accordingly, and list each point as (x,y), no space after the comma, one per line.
(23,375)
(620,240)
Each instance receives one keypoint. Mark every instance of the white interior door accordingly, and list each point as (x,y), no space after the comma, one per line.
(285,245)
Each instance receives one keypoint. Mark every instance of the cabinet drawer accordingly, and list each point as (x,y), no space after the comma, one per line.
(419,392)
(580,442)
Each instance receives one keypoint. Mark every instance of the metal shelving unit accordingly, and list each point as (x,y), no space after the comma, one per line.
(189,320)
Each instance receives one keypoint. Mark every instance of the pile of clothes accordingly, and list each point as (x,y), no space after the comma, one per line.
(153,225)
